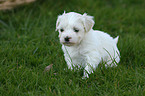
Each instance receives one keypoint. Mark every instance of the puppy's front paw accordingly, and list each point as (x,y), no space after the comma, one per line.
(85,75)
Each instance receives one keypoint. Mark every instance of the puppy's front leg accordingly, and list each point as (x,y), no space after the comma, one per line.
(91,66)
(69,63)
(88,70)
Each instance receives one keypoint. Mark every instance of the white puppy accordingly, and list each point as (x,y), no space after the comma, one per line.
(83,46)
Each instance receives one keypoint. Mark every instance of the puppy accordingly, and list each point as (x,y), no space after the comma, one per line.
(83,46)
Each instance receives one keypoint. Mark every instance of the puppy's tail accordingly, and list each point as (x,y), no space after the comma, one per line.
(116,39)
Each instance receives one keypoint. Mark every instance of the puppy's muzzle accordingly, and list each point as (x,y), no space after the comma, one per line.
(68,42)
(67,39)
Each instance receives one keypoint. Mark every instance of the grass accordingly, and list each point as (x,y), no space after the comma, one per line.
(29,43)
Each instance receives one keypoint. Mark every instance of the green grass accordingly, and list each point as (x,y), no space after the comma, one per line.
(29,43)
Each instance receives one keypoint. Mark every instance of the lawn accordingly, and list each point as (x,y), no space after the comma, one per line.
(29,43)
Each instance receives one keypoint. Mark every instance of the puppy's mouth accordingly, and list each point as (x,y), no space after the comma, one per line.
(68,43)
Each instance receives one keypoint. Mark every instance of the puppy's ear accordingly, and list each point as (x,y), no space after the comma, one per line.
(58,21)
(88,22)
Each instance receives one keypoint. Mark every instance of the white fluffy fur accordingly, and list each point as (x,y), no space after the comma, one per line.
(87,47)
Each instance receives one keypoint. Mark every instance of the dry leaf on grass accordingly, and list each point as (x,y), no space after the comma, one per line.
(47,69)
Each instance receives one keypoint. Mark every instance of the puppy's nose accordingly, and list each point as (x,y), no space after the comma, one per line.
(67,38)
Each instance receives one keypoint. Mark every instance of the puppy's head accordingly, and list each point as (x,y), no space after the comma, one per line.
(72,27)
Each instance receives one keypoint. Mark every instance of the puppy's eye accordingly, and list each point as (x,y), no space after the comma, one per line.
(61,29)
(76,30)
